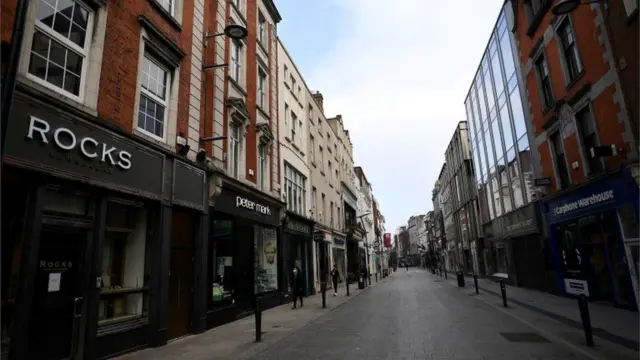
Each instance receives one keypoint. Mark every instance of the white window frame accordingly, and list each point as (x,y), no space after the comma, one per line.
(566,23)
(172,6)
(294,122)
(262,84)
(314,201)
(85,52)
(155,98)
(262,28)
(262,166)
(312,151)
(295,183)
(233,159)
(236,60)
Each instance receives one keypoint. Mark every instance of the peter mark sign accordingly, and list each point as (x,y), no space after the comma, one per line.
(252,205)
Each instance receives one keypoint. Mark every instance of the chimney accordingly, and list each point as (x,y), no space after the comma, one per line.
(317,97)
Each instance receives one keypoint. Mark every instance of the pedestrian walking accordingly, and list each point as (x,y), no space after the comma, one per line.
(335,277)
(406,265)
(296,286)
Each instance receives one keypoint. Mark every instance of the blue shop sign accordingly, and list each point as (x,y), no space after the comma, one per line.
(603,195)
(338,241)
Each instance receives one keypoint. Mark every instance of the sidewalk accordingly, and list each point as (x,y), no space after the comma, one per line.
(236,340)
(615,331)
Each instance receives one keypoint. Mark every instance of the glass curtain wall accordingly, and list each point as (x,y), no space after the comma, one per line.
(497,131)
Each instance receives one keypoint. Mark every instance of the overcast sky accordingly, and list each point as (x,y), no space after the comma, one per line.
(399,76)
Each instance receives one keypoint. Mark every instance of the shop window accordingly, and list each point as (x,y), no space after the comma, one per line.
(502,262)
(628,223)
(125,275)
(266,260)
(221,260)
(617,258)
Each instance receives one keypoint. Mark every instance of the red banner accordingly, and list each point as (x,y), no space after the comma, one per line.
(387,239)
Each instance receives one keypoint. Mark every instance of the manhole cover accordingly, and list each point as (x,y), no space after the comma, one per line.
(529,337)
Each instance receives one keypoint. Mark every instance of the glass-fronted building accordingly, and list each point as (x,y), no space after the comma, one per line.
(500,148)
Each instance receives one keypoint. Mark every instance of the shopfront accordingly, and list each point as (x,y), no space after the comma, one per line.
(338,255)
(593,235)
(243,253)
(297,251)
(519,254)
(86,213)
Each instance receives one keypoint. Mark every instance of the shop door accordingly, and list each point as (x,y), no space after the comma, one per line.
(243,267)
(56,312)
(180,276)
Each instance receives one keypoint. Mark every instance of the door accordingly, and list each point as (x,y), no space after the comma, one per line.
(243,266)
(180,276)
(56,312)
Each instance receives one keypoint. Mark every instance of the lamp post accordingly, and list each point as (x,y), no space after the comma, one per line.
(567,6)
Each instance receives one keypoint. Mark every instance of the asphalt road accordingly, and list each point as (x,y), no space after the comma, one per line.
(414,315)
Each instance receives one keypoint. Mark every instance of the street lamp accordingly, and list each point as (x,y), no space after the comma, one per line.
(232,31)
(567,6)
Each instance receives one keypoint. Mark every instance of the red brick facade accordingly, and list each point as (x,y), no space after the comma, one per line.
(598,86)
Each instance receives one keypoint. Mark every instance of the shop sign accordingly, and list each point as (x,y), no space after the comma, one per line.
(245,205)
(298,226)
(338,241)
(41,138)
(596,197)
(519,222)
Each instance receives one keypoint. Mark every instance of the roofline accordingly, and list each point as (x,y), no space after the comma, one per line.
(273,10)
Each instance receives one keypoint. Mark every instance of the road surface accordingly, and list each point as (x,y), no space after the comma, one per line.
(415,315)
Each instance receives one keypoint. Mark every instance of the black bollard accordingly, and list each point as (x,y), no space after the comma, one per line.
(445,274)
(503,291)
(347,281)
(475,282)
(258,320)
(583,305)
(323,287)
(376,277)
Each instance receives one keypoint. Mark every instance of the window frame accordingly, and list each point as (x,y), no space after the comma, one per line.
(233,163)
(591,161)
(235,64)
(295,183)
(561,183)
(53,35)
(262,85)
(568,51)
(262,167)
(546,93)
(166,102)
(262,28)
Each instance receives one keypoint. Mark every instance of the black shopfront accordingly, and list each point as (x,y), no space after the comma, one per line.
(87,223)
(517,249)
(243,253)
(297,251)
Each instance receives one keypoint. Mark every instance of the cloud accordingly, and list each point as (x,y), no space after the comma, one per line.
(399,76)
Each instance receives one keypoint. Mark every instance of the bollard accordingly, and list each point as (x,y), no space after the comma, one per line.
(445,274)
(347,281)
(258,320)
(503,291)
(323,286)
(475,282)
(376,277)
(583,305)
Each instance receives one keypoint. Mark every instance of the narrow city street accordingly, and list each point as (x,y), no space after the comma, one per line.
(417,315)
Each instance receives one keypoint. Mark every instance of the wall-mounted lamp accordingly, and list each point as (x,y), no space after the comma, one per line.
(567,6)
(233,31)
(183,150)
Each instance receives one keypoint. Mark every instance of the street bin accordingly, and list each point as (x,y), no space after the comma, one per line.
(361,281)
(460,276)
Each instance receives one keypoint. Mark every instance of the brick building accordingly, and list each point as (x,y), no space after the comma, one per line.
(577,108)
(116,211)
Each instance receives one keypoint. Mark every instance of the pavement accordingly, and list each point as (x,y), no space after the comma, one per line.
(236,340)
(409,315)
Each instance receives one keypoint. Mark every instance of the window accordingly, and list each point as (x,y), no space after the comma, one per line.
(331,213)
(321,159)
(569,50)
(507,56)
(561,163)
(324,207)
(314,199)
(262,88)
(293,82)
(234,150)
(536,6)
(154,98)
(236,53)
(262,28)
(60,47)
(286,116)
(294,122)
(286,74)
(221,260)
(518,113)
(506,126)
(545,81)
(296,187)
(238,3)
(337,182)
(338,218)
(262,167)
(265,263)
(310,113)
(631,7)
(124,281)
(587,129)
(169,5)
(330,174)
(312,146)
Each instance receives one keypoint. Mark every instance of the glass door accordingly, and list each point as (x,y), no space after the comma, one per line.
(56,310)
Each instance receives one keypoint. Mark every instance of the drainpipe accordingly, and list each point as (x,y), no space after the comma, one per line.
(9,81)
